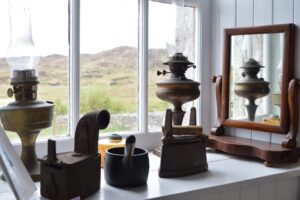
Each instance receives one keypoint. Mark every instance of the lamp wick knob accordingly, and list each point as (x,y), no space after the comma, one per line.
(10,92)
(164,72)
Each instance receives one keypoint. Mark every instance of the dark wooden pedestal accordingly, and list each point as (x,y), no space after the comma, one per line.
(270,153)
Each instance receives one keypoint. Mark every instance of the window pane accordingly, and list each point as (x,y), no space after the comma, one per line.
(109,60)
(50,35)
(161,30)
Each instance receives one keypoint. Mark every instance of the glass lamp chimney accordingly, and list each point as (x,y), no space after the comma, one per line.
(178,40)
(22,55)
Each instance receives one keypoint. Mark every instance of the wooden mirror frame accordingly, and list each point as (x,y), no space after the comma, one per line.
(271,153)
(287,75)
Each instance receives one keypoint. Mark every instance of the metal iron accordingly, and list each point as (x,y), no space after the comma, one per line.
(75,174)
(184,148)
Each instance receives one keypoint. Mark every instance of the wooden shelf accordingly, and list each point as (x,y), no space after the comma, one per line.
(271,153)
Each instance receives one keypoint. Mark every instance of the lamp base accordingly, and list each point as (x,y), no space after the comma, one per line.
(28,155)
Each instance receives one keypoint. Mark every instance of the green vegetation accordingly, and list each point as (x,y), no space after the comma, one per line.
(108,80)
(60,108)
(94,97)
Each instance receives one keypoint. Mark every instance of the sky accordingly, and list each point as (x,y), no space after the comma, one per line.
(105,24)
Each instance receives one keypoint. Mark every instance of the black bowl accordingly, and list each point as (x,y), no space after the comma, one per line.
(119,175)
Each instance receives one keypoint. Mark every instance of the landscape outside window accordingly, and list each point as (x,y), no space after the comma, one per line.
(50,35)
(108,59)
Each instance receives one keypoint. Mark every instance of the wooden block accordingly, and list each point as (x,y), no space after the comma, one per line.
(185,130)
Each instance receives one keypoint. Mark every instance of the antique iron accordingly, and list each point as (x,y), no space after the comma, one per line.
(75,174)
(177,89)
(251,87)
(184,148)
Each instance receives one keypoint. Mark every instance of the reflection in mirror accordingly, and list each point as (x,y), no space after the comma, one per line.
(256,77)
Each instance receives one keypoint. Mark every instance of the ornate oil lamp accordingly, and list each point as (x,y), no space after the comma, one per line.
(251,87)
(177,89)
(26,115)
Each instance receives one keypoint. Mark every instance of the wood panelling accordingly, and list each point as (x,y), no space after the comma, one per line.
(210,197)
(205,62)
(287,188)
(227,20)
(267,191)
(216,69)
(244,13)
(231,194)
(297,46)
(250,193)
(283,11)
(263,12)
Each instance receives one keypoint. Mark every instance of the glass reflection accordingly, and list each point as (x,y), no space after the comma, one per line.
(267,50)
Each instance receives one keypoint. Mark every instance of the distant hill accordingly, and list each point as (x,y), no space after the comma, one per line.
(123,57)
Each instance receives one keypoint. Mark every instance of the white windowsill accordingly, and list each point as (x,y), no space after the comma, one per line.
(149,141)
(225,173)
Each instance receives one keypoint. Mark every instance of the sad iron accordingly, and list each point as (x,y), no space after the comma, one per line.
(184,148)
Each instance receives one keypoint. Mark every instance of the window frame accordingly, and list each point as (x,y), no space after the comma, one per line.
(142,65)
(148,139)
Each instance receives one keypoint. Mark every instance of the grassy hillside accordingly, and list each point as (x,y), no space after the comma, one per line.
(108,79)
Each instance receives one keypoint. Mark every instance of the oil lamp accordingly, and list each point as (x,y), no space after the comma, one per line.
(177,89)
(251,87)
(26,115)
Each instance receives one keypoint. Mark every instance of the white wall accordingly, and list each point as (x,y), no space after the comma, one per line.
(281,189)
(241,13)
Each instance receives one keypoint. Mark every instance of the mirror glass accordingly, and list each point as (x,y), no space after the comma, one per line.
(256,77)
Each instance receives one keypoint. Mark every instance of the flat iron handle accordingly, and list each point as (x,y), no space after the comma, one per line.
(193,117)
(167,131)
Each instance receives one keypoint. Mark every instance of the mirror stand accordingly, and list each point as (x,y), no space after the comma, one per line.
(269,152)
(291,137)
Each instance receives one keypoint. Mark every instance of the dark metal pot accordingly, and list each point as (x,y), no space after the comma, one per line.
(117,174)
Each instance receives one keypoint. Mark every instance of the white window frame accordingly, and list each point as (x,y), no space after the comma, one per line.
(145,139)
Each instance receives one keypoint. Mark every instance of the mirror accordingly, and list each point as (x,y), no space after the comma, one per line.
(257,68)
(256,77)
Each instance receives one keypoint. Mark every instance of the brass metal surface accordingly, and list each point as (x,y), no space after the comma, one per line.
(27,117)
(177,89)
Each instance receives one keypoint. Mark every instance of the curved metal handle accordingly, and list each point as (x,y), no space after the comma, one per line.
(193,66)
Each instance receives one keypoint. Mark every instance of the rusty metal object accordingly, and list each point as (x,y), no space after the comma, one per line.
(75,174)
(177,89)
(251,87)
(27,116)
(182,154)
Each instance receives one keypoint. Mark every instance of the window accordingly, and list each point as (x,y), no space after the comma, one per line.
(97,55)
(109,60)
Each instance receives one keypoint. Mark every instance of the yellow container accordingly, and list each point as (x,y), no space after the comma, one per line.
(113,141)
